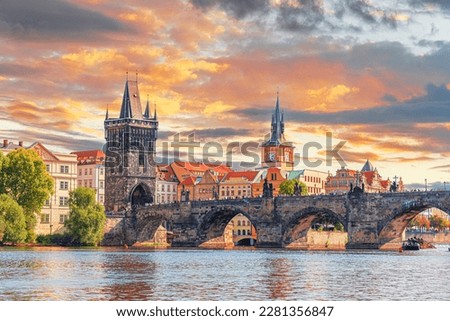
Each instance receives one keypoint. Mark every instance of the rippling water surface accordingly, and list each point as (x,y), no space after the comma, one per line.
(105,274)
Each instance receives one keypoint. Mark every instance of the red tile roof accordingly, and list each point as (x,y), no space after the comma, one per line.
(90,157)
(244,175)
(188,181)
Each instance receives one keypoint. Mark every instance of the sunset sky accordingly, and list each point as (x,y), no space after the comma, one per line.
(373,73)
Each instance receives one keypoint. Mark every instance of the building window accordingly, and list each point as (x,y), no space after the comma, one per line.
(85,171)
(90,171)
(47,202)
(101,171)
(80,172)
(64,185)
(64,169)
(101,198)
(239,232)
(101,184)
(248,232)
(90,183)
(45,218)
(63,218)
(274,176)
(239,222)
(63,201)
(47,167)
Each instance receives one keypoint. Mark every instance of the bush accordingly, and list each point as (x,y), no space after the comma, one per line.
(54,239)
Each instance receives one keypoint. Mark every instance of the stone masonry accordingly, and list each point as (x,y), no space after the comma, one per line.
(374,221)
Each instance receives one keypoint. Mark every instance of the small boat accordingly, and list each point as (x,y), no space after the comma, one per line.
(411,245)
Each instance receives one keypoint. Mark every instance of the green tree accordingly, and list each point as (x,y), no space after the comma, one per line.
(287,187)
(12,221)
(26,180)
(87,217)
(438,222)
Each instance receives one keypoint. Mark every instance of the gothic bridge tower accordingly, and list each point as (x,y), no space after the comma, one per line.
(276,151)
(130,153)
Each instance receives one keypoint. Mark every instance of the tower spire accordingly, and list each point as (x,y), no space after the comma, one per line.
(147,109)
(107,112)
(154,116)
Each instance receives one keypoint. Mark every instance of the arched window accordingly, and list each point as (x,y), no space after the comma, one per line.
(239,232)
(239,222)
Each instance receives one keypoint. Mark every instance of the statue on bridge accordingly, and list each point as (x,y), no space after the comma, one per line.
(393,187)
(297,189)
(215,195)
(184,195)
(267,189)
(356,190)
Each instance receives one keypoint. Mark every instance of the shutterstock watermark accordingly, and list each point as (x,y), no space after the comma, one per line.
(237,153)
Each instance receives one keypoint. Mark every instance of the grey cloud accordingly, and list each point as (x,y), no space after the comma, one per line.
(44,19)
(444,4)
(434,107)
(361,8)
(219,132)
(61,142)
(238,8)
(366,12)
(305,17)
(374,57)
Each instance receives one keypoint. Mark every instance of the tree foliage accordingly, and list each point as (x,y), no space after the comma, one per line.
(12,221)
(287,187)
(438,222)
(24,177)
(87,217)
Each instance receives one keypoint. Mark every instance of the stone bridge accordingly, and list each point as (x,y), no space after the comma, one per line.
(375,221)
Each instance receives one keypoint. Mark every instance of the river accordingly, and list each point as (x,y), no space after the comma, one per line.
(194,274)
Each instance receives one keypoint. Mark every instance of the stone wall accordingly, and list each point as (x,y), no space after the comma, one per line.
(325,240)
(435,238)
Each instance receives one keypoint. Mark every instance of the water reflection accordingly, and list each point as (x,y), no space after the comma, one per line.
(279,279)
(223,275)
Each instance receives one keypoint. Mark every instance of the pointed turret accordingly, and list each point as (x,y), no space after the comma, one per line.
(131,102)
(154,115)
(107,113)
(277,132)
(147,110)
(368,167)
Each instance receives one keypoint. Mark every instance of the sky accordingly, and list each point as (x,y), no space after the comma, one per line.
(375,74)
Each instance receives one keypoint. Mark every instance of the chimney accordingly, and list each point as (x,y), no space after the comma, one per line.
(21,143)
(5,143)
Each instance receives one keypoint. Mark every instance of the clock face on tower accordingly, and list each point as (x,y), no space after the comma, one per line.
(272,156)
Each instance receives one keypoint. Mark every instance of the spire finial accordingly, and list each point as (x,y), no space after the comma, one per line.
(127,75)
(155,117)
(107,112)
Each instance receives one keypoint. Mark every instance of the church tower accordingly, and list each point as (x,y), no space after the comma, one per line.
(277,152)
(130,153)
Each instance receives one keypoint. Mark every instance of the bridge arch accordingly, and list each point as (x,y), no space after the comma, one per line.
(214,229)
(140,195)
(295,234)
(391,229)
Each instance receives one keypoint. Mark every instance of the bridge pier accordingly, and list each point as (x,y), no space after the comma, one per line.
(269,235)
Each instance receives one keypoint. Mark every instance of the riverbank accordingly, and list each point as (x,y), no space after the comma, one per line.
(430,237)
